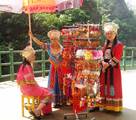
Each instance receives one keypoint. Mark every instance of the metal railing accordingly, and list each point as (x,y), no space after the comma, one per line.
(10,60)
(129,58)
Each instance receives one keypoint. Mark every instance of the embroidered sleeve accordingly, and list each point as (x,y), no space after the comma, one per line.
(113,62)
(117,55)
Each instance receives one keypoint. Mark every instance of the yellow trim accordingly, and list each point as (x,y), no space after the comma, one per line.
(115,59)
(111,108)
(28,82)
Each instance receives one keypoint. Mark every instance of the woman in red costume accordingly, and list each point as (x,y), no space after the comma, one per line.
(110,77)
(28,85)
(54,50)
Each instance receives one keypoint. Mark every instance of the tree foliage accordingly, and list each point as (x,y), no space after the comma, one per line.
(117,11)
(13,30)
(14,27)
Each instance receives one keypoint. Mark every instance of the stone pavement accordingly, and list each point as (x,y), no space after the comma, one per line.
(10,102)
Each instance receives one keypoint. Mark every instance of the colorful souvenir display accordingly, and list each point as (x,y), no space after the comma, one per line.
(81,43)
(67,74)
(87,68)
(89,54)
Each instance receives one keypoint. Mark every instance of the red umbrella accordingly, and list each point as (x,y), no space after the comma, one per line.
(38,6)
(49,6)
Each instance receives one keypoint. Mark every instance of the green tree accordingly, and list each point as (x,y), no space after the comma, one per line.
(13,30)
(14,27)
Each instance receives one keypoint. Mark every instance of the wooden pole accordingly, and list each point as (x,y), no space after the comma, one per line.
(29,20)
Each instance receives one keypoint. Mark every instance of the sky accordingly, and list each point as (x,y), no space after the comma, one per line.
(131,3)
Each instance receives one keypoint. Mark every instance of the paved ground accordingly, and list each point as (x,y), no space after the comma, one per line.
(10,102)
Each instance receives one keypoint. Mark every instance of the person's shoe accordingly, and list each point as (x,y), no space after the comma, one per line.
(35,116)
(56,106)
(96,108)
(91,109)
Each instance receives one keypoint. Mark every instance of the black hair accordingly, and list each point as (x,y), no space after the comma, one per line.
(115,41)
(25,62)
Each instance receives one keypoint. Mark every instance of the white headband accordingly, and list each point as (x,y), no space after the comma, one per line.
(111,26)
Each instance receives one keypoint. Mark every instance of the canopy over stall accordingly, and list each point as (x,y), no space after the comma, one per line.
(38,6)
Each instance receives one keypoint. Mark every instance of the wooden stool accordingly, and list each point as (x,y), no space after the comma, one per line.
(29,102)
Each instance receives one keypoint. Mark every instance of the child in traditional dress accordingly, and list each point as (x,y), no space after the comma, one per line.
(28,85)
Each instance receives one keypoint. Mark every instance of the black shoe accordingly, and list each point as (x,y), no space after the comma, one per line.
(36,117)
(96,108)
(91,109)
(57,106)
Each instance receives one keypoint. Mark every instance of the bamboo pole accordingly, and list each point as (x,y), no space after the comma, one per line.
(29,22)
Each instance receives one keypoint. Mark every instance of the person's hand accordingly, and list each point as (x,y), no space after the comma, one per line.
(105,65)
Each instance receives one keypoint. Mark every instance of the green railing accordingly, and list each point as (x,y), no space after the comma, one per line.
(10,60)
(129,58)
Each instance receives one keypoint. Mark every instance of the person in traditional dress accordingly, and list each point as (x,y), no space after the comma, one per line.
(110,77)
(54,49)
(28,85)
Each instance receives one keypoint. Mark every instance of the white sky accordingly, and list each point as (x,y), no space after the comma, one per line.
(131,2)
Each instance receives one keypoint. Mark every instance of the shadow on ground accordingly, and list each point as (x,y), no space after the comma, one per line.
(126,114)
